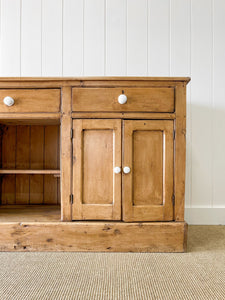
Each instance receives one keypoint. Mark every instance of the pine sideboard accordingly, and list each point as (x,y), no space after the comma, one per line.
(93,164)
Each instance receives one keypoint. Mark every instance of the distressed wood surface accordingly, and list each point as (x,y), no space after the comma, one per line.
(123,115)
(93,236)
(138,99)
(31,100)
(66,155)
(96,151)
(148,188)
(180,153)
(29,161)
(29,213)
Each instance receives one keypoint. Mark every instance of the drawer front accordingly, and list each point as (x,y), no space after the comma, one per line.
(138,99)
(31,100)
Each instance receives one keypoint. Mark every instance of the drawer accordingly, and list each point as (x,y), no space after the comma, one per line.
(138,99)
(31,100)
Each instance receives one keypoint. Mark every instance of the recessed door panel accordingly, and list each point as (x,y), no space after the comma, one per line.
(148,188)
(148,167)
(96,152)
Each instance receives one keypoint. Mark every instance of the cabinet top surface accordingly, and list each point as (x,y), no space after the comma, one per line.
(102,78)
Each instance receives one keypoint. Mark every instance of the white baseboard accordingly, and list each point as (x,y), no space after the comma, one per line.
(205,216)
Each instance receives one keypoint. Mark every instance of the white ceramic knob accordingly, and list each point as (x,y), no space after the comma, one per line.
(126,170)
(9,101)
(117,170)
(122,99)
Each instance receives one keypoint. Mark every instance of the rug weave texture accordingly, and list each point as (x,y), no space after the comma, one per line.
(197,274)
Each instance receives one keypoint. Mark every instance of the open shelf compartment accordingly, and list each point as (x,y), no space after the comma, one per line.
(29,171)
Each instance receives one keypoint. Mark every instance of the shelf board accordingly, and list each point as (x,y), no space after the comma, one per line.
(30,213)
(48,172)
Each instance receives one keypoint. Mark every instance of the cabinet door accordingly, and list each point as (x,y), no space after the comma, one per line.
(96,188)
(148,187)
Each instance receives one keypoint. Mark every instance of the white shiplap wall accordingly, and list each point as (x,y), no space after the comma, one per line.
(135,37)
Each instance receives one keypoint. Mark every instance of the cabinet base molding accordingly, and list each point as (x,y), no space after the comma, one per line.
(94,236)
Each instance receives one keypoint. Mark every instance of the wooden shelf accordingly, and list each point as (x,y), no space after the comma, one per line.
(30,213)
(48,172)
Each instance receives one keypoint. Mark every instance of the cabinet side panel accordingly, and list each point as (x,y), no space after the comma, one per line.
(180,152)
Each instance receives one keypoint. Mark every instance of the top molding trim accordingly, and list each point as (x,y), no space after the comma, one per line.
(101,78)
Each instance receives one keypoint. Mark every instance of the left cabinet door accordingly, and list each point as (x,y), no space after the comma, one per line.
(96,154)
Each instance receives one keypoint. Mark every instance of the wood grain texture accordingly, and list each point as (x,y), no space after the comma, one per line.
(51,161)
(29,213)
(153,168)
(93,236)
(97,148)
(180,153)
(138,99)
(66,155)
(30,100)
(30,118)
(148,167)
(23,162)
(26,151)
(36,162)
(123,115)
(8,183)
(96,151)
(30,171)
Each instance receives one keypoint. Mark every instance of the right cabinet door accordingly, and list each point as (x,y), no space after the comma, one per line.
(148,152)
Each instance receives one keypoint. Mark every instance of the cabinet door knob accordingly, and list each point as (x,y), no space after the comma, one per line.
(126,170)
(122,99)
(117,170)
(9,101)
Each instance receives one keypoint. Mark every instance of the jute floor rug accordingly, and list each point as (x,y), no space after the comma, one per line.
(198,274)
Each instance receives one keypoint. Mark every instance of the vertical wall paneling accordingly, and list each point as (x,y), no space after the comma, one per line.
(52,37)
(72,38)
(218,142)
(137,37)
(159,37)
(10,38)
(201,93)
(180,66)
(94,37)
(31,38)
(115,62)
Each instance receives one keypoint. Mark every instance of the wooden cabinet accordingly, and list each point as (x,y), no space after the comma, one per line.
(92,164)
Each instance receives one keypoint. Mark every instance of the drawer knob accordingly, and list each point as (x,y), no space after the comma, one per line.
(126,170)
(122,99)
(9,101)
(117,170)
